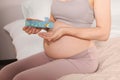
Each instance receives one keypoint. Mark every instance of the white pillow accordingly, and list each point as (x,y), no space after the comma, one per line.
(25,45)
(38,9)
(15,28)
(28,45)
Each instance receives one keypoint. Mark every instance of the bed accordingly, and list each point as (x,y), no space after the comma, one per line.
(108,51)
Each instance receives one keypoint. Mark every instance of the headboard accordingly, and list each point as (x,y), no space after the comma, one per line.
(9,11)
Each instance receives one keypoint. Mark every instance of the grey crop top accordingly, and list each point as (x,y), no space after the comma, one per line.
(74,12)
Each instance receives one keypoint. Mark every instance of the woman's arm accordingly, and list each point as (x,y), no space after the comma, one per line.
(103,23)
(52,18)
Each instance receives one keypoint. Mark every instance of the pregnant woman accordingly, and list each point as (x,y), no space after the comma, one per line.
(69,47)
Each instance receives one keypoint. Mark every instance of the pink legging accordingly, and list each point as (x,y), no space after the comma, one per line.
(42,67)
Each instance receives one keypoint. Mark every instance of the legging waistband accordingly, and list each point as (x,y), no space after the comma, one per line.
(84,53)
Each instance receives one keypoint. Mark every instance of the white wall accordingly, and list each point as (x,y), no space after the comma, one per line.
(115,11)
(10,10)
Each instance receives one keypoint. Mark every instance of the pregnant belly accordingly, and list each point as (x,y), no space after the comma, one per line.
(65,47)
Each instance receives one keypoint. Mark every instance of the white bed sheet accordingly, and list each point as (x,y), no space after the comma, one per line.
(109,57)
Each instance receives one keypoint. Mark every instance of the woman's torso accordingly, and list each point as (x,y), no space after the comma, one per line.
(76,13)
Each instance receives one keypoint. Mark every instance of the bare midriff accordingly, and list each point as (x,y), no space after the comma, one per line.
(66,46)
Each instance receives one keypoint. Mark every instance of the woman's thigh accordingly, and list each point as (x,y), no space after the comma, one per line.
(50,71)
(81,63)
(9,71)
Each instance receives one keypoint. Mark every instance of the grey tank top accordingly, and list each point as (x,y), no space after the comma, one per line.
(74,12)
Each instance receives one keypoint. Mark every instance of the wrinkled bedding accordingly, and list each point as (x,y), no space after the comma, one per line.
(109,57)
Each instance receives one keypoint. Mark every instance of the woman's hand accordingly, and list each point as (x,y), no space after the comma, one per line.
(54,34)
(59,30)
(31,30)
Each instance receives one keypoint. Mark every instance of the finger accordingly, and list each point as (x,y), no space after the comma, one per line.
(43,34)
(25,27)
(33,30)
(28,29)
(46,33)
(37,30)
(54,37)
